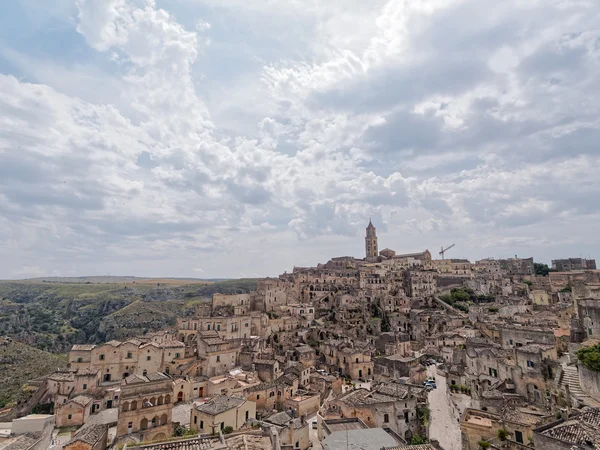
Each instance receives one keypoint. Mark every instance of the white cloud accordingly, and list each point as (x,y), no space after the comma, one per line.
(440,124)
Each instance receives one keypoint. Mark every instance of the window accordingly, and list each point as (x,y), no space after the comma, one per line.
(530,363)
(148,358)
(79,359)
(405,416)
(101,357)
(386,418)
(177,355)
(356,359)
(222,425)
(218,358)
(219,329)
(129,355)
(208,327)
(271,394)
(246,324)
(511,342)
(519,437)
(84,387)
(202,424)
(69,416)
(247,414)
(195,420)
(258,397)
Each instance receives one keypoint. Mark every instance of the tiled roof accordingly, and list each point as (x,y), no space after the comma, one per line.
(155,376)
(24,442)
(90,435)
(581,430)
(219,404)
(82,400)
(281,418)
(82,347)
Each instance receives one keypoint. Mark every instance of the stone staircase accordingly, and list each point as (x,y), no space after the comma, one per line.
(570,376)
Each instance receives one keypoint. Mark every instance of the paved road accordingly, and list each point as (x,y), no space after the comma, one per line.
(444,426)
(312,433)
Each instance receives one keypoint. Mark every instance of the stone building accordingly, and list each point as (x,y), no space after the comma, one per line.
(389,405)
(220,355)
(579,431)
(93,437)
(146,406)
(219,412)
(566,265)
(75,412)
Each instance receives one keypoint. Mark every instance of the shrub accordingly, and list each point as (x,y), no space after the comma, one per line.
(484,444)
(590,357)
(418,440)
(228,430)
(502,434)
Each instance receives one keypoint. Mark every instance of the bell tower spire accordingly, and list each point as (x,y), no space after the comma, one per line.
(371,243)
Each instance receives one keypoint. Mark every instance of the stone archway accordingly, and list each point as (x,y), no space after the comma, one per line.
(180,396)
(159,437)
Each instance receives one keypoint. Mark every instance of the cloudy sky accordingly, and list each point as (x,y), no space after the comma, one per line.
(227,138)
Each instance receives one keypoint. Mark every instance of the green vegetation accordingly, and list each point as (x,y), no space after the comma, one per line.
(418,440)
(53,316)
(542,270)
(20,364)
(459,297)
(424,415)
(493,310)
(502,434)
(484,444)
(228,429)
(590,357)
(528,282)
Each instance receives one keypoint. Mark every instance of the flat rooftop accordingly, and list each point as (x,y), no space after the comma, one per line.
(344,424)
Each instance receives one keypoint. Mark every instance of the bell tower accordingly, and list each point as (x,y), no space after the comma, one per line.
(371,243)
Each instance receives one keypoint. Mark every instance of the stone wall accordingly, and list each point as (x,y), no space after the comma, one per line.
(589,381)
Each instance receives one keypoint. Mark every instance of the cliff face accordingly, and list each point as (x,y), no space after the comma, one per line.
(53,316)
(20,364)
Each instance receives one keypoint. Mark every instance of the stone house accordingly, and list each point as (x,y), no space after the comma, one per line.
(390,405)
(303,403)
(292,432)
(518,336)
(146,406)
(75,412)
(580,431)
(393,344)
(219,412)
(267,369)
(394,367)
(477,425)
(219,355)
(93,437)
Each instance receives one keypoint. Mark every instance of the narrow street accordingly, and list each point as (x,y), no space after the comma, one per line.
(444,426)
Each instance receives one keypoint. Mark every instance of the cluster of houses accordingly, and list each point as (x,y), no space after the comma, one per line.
(330,354)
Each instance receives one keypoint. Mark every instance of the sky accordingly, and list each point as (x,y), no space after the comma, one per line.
(235,138)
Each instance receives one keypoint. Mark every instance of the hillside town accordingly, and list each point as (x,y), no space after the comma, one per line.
(390,351)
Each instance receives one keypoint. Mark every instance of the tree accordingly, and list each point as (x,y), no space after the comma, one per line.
(542,269)
(590,357)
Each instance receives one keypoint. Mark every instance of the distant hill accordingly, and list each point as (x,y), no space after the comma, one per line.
(108,279)
(52,315)
(20,364)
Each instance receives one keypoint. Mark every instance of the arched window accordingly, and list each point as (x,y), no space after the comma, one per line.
(133,405)
(164,419)
(144,424)
(125,406)
(167,398)
(160,400)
